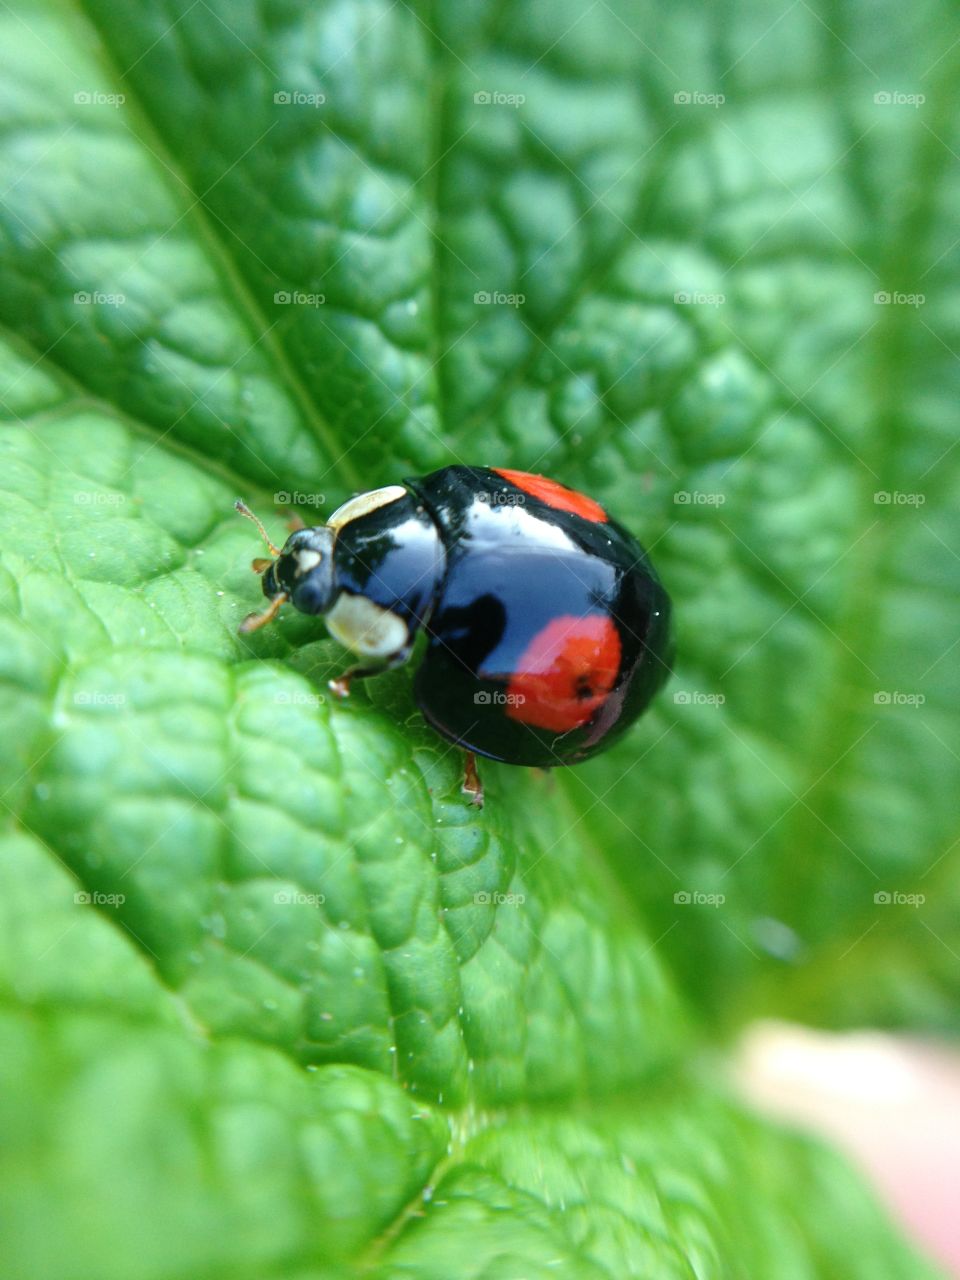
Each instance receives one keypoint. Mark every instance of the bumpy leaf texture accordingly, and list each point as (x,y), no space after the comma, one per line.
(277,1004)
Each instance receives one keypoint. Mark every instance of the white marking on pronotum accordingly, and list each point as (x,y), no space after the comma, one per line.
(364,503)
(364,627)
(307,560)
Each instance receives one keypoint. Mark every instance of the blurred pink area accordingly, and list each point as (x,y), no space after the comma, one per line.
(893,1104)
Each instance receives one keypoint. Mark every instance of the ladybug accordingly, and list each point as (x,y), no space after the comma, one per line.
(547,629)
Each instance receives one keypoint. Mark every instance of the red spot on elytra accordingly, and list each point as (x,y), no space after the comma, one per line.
(565,673)
(554,494)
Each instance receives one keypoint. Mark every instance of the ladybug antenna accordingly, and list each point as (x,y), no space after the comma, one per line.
(244,510)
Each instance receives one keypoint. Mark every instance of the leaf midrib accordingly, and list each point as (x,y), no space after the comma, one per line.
(224,262)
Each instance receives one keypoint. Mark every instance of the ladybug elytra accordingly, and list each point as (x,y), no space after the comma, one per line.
(548,631)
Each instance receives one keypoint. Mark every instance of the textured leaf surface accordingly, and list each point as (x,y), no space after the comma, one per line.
(276,1003)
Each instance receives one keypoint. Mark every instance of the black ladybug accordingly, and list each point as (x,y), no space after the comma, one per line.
(548,631)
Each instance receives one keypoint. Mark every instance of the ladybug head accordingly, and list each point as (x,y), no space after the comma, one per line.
(302,572)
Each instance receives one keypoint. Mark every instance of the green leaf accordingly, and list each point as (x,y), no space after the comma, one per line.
(656,1187)
(277,1003)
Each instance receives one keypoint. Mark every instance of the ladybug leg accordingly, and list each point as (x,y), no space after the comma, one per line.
(254,621)
(340,686)
(296,522)
(472,786)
